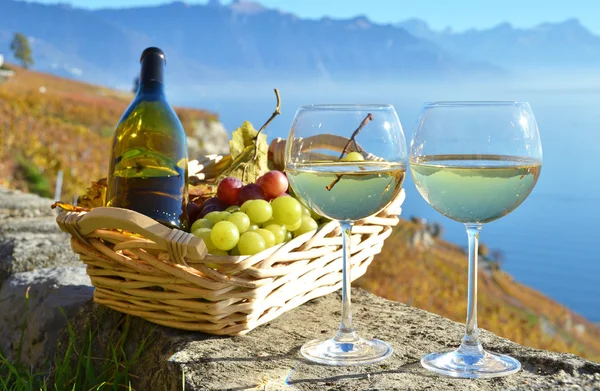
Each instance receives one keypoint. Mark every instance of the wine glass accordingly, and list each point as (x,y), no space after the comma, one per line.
(346,162)
(475,162)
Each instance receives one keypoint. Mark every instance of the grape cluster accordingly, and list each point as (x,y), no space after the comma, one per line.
(247,219)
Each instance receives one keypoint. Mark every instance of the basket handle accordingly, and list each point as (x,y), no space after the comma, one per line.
(179,244)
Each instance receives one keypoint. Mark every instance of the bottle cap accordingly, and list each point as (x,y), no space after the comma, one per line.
(153,50)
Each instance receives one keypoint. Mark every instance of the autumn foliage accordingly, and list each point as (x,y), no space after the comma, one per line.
(50,124)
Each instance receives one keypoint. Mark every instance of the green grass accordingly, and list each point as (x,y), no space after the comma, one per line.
(80,366)
(36,181)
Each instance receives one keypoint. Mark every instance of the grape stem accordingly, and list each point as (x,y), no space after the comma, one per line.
(352,140)
(275,114)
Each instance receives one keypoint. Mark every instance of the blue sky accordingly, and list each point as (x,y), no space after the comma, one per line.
(459,14)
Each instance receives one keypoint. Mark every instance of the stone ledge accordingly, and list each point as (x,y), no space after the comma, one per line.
(14,203)
(29,236)
(269,356)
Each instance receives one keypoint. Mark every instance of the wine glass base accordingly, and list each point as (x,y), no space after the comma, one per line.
(474,366)
(357,352)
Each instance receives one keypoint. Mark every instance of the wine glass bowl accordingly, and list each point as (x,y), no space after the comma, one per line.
(346,162)
(475,162)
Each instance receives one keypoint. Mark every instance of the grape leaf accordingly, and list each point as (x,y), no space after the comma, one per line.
(245,165)
(241,138)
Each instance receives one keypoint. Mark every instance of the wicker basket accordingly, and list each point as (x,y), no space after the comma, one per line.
(142,268)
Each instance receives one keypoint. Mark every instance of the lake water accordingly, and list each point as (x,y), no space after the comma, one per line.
(549,242)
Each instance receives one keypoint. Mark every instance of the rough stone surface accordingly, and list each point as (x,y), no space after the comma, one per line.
(16,204)
(29,235)
(268,357)
(49,291)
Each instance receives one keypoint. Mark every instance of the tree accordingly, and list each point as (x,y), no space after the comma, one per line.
(136,84)
(22,50)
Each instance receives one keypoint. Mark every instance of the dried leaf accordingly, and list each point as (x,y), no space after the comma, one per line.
(245,165)
(94,196)
(201,192)
(68,207)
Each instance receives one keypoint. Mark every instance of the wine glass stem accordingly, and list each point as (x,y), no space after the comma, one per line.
(470,343)
(346,331)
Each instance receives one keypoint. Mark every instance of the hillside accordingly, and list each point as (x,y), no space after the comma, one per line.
(68,127)
(435,279)
(50,124)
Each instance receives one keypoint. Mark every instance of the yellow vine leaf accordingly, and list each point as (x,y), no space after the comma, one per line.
(245,165)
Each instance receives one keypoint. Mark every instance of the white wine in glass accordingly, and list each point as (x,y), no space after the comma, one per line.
(475,162)
(360,181)
(347,190)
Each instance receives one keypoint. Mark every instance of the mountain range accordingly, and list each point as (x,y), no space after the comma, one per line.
(244,40)
(564,45)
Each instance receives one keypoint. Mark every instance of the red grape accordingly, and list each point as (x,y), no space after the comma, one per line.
(193,210)
(214,201)
(273,183)
(251,192)
(228,190)
(211,208)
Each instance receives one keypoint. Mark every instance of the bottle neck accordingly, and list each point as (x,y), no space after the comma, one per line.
(151,88)
(151,75)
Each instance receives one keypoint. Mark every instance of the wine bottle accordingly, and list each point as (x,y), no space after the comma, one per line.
(148,167)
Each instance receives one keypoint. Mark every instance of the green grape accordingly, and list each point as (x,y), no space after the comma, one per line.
(305,211)
(204,234)
(232,209)
(286,210)
(353,157)
(314,215)
(235,251)
(272,222)
(201,223)
(259,211)
(223,216)
(252,227)
(245,205)
(241,221)
(215,217)
(278,230)
(269,222)
(268,236)
(295,226)
(308,224)
(288,236)
(251,243)
(225,235)
(218,252)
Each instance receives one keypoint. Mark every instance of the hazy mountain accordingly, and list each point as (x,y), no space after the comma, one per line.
(549,45)
(242,40)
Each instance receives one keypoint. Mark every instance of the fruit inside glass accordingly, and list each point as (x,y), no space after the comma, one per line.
(475,162)
(346,163)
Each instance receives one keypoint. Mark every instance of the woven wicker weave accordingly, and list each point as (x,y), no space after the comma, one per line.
(142,268)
